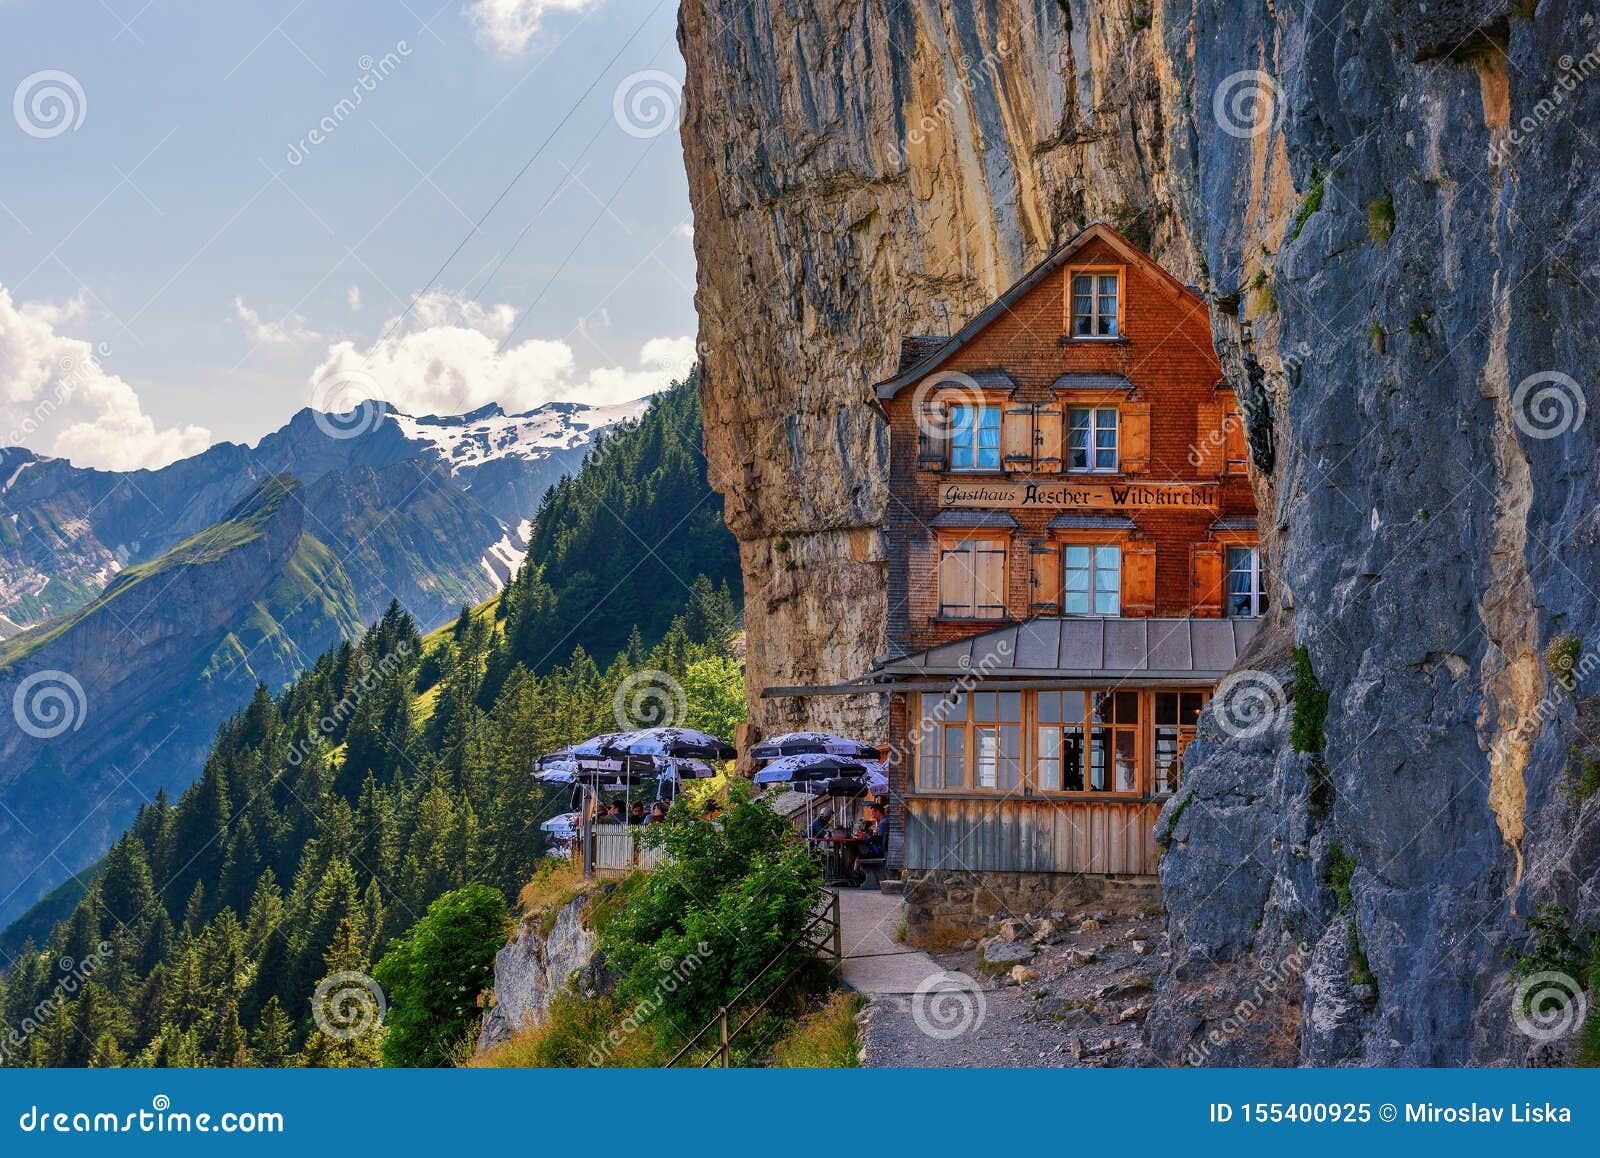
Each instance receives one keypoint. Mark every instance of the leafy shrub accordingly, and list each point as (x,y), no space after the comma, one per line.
(434,973)
(730,897)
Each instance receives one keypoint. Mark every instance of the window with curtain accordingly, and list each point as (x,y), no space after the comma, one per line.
(970,740)
(974,437)
(972,579)
(1091,580)
(1094,305)
(1086,742)
(1092,439)
(1247,589)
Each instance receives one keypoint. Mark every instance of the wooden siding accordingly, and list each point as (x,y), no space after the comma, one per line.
(1008,834)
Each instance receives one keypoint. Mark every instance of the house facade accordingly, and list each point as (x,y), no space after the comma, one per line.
(1074,565)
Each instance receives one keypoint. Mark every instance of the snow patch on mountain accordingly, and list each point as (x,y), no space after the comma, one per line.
(470,440)
(503,559)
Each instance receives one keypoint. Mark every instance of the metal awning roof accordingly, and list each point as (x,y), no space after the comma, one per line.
(1076,648)
(1142,652)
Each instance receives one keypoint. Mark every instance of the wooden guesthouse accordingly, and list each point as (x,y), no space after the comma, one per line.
(1073,566)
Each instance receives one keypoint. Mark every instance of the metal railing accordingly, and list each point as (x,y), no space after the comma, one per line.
(831,938)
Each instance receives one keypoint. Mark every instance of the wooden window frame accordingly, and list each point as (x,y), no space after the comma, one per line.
(969,726)
(980,409)
(1120,272)
(1028,784)
(1143,745)
(1094,410)
(1258,574)
(1186,733)
(947,540)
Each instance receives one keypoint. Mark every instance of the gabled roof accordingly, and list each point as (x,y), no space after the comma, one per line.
(932,360)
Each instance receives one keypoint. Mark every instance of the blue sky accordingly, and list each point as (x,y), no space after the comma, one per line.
(183,259)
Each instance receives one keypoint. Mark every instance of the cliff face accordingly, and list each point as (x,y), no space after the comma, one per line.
(1385,208)
(858,174)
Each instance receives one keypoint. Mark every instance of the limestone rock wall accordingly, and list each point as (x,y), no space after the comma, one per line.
(861,172)
(536,964)
(1392,210)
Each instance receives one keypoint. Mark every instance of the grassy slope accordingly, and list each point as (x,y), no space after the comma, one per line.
(244,525)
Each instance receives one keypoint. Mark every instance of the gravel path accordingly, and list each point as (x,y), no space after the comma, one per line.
(1078,1000)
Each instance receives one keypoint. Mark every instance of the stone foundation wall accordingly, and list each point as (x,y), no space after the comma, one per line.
(947,906)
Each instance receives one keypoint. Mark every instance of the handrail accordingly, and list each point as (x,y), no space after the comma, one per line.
(830,915)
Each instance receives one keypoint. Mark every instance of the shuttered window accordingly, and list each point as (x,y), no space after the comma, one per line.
(1092,580)
(1044,579)
(1092,439)
(972,579)
(974,437)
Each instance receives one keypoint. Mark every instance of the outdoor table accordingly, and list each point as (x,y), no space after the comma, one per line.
(833,848)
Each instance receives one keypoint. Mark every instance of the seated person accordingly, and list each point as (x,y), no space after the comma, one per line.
(872,845)
(819,826)
(658,813)
(636,814)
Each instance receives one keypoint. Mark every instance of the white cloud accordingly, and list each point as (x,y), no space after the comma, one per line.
(290,330)
(57,398)
(445,359)
(509,26)
(353,296)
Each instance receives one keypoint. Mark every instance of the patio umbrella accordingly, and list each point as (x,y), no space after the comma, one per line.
(674,742)
(808,766)
(563,827)
(809,743)
(845,786)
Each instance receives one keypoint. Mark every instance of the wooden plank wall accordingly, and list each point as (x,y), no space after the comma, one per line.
(1034,836)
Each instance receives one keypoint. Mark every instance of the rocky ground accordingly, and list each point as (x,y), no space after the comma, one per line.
(1034,991)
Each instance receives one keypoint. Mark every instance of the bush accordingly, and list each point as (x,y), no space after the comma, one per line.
(1310,706)
(434,974)
(730,897)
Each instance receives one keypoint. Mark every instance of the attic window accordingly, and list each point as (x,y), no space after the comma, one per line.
(1096,301)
